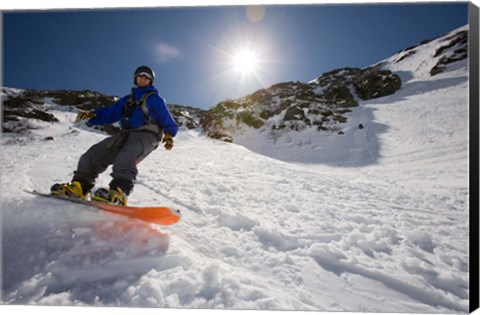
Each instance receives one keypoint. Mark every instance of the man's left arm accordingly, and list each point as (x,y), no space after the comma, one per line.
(161,115)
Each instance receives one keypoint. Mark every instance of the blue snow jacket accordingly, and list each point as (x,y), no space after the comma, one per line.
(157,109)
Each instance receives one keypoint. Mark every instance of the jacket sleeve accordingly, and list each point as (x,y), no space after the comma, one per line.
(161,115)
(110,114)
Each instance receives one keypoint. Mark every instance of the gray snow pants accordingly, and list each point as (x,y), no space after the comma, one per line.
(123,151)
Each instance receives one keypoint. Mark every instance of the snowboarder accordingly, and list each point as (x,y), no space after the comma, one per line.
(144,120)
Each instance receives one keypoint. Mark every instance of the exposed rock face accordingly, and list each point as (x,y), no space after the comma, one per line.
(186,116)
(295,105)
(455,49)
(36,104)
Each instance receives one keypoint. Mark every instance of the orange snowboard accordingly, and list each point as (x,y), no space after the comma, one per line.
(156,215)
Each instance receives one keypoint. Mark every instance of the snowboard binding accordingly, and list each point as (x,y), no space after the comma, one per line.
(111,196)
(70,190)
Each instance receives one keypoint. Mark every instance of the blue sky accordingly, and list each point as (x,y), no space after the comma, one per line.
(192,49)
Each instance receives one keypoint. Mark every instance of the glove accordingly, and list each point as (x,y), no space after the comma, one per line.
(84,115)
(168,140)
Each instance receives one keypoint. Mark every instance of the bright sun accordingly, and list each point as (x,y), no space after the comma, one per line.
(245,61)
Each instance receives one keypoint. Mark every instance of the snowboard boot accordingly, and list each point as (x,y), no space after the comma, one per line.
(70,190)
(111,196)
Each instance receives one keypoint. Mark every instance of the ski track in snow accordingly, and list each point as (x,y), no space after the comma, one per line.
(387,232)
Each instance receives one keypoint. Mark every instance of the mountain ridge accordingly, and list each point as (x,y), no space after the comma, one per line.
(322,103)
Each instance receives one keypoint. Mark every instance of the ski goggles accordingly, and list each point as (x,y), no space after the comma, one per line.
(144,74)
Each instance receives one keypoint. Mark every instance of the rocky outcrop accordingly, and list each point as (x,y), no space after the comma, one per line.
(454,49)
(322,103)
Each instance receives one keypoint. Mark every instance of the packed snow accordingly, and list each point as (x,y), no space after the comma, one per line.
(374,220)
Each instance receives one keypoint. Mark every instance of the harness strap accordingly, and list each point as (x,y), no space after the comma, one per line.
(130,106)
(143,106)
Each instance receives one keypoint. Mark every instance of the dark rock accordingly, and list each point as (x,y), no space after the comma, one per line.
(456,49)
(220,136)
(340,94)
(294,113)
(375,84)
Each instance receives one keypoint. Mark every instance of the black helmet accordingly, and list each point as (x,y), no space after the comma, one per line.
(146,71)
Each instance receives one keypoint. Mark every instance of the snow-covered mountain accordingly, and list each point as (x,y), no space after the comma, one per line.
(373,218)
(311,115)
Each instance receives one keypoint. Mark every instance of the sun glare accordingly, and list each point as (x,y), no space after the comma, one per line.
(241,65)
(245,61)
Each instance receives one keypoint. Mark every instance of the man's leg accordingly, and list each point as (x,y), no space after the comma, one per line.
(138,146)
(95,161)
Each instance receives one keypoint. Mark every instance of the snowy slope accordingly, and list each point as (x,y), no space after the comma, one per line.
(374,220)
